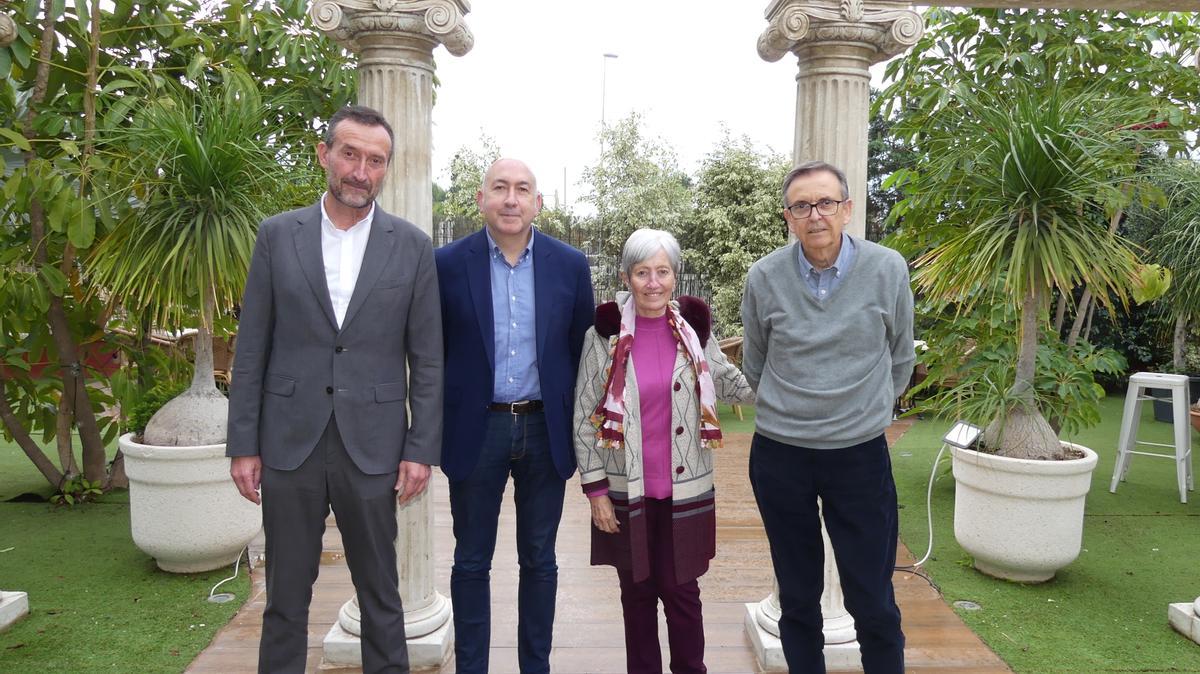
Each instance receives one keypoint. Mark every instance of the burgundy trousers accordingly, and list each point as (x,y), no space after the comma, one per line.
(681,604)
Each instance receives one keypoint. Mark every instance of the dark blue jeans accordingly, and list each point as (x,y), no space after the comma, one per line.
(859,498)
(516,445)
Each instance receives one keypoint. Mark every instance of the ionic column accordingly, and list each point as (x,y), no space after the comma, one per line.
(835,43)
(394,40)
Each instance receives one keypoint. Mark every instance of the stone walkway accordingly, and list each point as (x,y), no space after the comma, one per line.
(588,633)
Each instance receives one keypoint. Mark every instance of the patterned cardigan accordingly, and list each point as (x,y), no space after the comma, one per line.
(620,471)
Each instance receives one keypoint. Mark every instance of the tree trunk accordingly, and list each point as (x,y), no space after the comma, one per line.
(116,474)
(1022,432)
(62,437)
(1027,351)
(1080,317)
(42,462)
(1060,314)
(1178,341)
(1087,329)
(203,378)
(1085,304)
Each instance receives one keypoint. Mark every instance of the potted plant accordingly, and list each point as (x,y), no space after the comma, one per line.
(1012,193)
(205,166)
(1194,414)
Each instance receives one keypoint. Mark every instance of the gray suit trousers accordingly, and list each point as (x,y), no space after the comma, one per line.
(295,506)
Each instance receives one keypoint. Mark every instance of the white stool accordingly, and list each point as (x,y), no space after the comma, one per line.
(1178,385)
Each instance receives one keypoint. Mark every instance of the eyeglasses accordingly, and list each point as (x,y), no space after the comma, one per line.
(802,209)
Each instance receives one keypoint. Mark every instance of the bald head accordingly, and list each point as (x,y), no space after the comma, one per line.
(509,200)
(509,166)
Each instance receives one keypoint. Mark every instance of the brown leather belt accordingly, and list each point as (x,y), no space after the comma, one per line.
(518,407)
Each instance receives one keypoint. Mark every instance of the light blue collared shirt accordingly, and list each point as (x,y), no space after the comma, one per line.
(516,375)
(823,283)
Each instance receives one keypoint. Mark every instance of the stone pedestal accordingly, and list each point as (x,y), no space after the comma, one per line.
(1185,618)
(841,648)
(394,40)
(13,607)
(835,42)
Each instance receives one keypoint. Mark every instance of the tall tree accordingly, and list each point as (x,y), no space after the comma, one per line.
(1008,186)
(738,219)
(636,183)
(73,76)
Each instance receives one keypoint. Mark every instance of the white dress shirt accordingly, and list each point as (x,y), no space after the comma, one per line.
(342,252)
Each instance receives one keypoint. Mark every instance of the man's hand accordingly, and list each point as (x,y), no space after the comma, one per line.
(247,474)
(412,481)
(603,515)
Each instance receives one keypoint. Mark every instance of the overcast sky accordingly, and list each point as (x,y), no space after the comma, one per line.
(533,81)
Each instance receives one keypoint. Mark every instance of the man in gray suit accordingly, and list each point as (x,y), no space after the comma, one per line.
(340,325)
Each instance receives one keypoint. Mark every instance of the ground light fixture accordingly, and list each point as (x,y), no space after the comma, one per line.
(963,436)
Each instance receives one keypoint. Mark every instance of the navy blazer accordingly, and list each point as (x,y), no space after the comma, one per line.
(563,308)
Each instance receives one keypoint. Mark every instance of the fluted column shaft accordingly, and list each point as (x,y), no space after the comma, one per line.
(394,40)
(833,94)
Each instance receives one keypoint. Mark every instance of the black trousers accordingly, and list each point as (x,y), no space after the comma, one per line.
(859,499)
(295,505)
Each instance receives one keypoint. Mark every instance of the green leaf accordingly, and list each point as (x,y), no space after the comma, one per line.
(81,230)
(57,214)
(54,279)
(118,84)
(16,138)
(70,147)
(196,68)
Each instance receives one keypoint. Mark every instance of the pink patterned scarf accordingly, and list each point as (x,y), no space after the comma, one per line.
(609,417)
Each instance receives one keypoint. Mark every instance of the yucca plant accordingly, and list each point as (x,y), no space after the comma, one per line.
(204,164)
(1016,186)
(1177,247)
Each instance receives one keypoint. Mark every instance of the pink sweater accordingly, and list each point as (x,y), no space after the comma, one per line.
(653,354)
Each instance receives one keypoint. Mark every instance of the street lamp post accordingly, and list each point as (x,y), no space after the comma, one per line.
(603,127)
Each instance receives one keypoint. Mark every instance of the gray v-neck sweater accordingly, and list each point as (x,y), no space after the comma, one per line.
(827,372)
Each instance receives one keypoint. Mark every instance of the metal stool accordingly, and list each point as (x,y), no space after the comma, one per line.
(1178,385)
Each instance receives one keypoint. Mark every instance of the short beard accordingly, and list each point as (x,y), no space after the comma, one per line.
(344,199)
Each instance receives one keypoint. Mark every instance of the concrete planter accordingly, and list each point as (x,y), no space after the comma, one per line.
(1021,519)
(184,509)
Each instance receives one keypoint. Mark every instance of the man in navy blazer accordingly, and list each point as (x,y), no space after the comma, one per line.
(515,306)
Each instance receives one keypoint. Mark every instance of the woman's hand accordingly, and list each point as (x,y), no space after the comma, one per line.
(603,515)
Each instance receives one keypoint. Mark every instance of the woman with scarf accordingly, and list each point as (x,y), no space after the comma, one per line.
(645,429)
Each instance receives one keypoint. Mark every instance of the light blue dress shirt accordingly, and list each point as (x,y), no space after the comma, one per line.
(516,375)
(823,283)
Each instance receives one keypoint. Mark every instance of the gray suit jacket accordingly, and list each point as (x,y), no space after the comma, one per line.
(294,367)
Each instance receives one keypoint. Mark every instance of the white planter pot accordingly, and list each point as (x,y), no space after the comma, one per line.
(1020,519)
(184,508)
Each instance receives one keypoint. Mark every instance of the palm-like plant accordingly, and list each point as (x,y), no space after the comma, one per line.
(1177,247)
(204,166)
(1016,185)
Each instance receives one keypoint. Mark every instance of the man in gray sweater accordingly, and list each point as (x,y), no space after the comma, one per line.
(828,348)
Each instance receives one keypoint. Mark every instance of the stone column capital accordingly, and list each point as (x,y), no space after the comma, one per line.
(438,20)
(884,27)
(8,30)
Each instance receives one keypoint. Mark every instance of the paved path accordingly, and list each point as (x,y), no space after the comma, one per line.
(588,633)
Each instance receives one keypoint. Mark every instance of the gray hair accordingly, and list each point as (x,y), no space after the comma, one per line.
(644,244)
(815,167)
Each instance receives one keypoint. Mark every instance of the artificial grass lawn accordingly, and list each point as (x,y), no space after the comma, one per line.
(97,603)
(1107,611)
